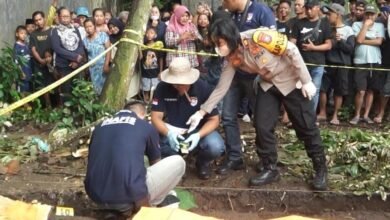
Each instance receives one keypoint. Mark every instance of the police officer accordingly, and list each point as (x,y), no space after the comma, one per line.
(278,62)
(176,98)
(116,175)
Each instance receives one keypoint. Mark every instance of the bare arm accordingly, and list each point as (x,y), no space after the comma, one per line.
(107,57)
(158,123)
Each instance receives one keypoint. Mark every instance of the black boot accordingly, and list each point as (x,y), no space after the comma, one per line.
(229,165)
(321,172)
(203,170)
(268,175)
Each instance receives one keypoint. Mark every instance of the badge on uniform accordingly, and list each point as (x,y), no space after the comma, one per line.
(250,16)
(194,101)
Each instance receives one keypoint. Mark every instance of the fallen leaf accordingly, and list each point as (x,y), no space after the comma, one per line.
(13,167)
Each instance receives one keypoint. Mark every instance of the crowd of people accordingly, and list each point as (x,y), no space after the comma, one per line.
(320,53)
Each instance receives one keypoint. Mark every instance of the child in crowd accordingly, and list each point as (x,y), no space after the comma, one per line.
(181,34)
(99,19)
(203,45)
(95,43)
(23,58)
(151,65)
(30,27)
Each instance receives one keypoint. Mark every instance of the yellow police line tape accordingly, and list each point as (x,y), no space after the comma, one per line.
(57,83)
(348,67)
(156,46)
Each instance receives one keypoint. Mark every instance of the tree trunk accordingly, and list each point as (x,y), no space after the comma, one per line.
(117,84)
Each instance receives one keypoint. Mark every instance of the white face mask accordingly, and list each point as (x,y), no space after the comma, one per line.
(154,17)
(222,51)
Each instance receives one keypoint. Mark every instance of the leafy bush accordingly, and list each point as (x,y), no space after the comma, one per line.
(357,160)
(83,107)
(10,74)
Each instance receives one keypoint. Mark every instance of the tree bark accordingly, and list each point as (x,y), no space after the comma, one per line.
(117,84)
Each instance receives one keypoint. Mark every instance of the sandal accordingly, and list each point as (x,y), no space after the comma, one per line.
(354,121)
(335,122)
(378,120)
(368,120)
(321,119)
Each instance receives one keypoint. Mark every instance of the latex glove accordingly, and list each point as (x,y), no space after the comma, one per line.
(194,139)
(173,137)
(309,90)
(193,121)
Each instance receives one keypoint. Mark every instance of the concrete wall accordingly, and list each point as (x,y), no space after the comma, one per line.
(14,13)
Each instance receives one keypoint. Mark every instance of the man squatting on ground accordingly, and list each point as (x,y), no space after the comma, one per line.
(254,51)
(116,175)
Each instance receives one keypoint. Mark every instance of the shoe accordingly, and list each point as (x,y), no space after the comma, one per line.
(354,121)
(321,173)
(203,171)
(368,120)
(170,201)
(246,118)
(228,165)
(269,174)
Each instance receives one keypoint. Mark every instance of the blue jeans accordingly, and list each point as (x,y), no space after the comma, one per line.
(209,148)
(239,89)
(316,74)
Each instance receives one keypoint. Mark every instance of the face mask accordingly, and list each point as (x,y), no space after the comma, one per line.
(154,17)
(222,51)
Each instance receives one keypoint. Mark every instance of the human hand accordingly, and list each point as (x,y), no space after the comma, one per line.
(368,22)
(339,37)
(194,139)
(194,120)
(309,46)
(173,141)
(309,90)
(79,58)
(73,65)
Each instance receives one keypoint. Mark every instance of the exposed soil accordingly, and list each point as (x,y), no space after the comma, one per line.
(59,181)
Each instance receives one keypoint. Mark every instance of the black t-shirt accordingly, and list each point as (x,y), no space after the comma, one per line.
(178,109)
(302,29)
(41,41)
(116,172)
(283,27)
(150,63)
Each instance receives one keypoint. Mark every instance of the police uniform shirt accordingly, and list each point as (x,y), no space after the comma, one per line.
(177,109)
(116,173)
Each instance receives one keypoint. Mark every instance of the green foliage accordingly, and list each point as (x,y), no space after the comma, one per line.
(10,74)
(357,160)
(83,107)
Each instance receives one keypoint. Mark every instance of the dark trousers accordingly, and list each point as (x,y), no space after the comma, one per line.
(66,88)
(239,89)
(302,116)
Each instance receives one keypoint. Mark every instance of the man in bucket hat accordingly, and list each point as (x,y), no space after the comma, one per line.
(177,97)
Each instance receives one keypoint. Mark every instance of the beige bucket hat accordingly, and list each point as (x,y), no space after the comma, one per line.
(180,72)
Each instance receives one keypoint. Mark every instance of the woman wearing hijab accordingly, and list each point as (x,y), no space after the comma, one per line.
(181,34)
(116,28)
